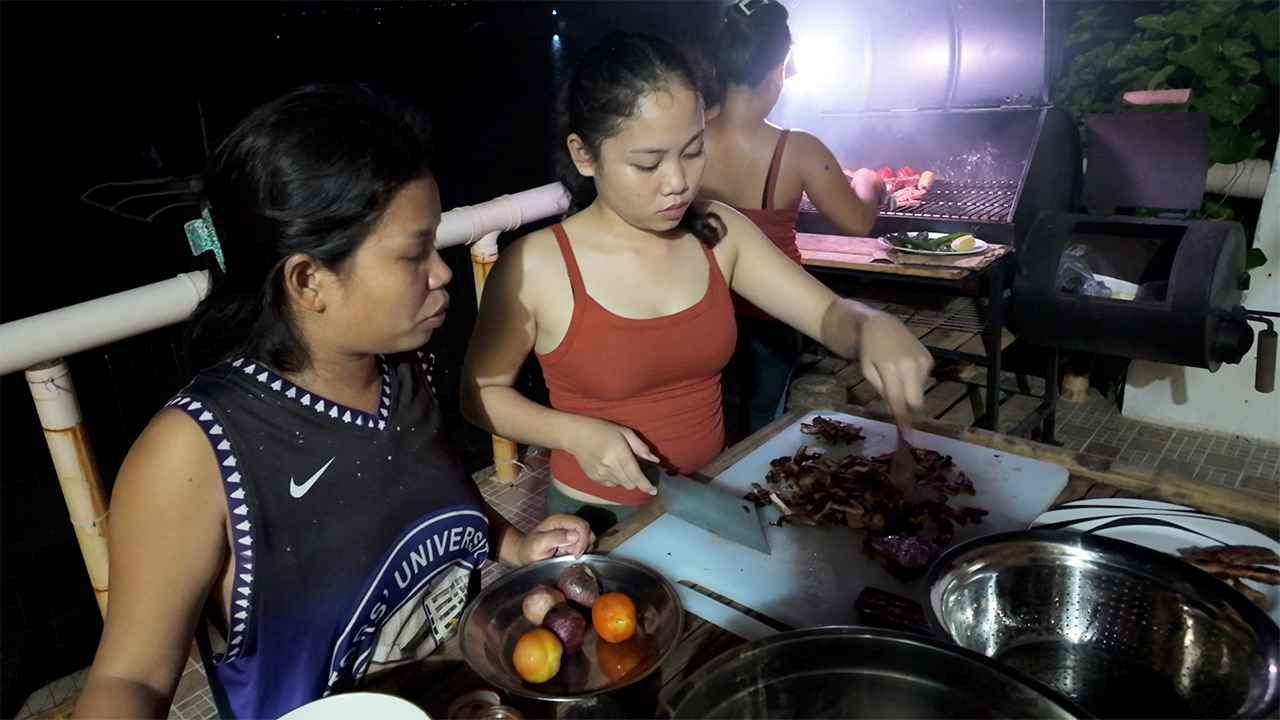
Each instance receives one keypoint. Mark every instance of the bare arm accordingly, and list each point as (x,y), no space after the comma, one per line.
(505,333)
(852,208)
(167,548)
(892,358)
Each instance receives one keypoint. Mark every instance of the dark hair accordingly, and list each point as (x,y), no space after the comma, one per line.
(310,172)
(748,46)
(604,90)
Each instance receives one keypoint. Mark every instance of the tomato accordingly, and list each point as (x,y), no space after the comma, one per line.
(614,616)
(618,659)
(906,171)
(886,173)
(537,655)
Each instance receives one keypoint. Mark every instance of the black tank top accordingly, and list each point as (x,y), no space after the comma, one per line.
(355,535)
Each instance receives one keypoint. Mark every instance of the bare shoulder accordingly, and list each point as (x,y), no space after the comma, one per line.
(807,148)
(170,462)
(735,223)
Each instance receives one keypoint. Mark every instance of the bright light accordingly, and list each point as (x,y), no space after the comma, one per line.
(818,60)
(553,12)
(555,39)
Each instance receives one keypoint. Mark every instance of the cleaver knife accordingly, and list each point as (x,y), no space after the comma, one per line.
(702,505)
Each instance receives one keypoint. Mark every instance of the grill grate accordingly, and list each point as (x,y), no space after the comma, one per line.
(958,201)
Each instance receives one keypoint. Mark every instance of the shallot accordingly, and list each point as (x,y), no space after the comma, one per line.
(539,600)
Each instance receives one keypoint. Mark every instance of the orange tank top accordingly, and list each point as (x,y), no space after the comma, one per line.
(777,224)
(658,376)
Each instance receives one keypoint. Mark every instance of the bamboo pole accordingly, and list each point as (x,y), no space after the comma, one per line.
(64,432)
(483,255)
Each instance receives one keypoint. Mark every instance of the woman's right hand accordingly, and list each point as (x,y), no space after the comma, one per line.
(607,453)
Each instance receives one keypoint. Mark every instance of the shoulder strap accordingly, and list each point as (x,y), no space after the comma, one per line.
(771,179)
(570,262)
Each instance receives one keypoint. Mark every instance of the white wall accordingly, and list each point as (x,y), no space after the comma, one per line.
(1224,401)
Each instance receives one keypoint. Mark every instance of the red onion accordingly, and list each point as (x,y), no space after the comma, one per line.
(568,624)
(580,584)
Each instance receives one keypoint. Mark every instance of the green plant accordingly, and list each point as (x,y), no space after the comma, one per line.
(1225,51)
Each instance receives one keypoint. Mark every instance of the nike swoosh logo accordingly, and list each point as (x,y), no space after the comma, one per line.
(298,491)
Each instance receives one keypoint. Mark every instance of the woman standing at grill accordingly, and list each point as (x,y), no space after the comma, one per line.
(626,303)
(762,171)
(296,507)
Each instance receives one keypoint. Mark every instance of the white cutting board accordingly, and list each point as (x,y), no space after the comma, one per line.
(813,575)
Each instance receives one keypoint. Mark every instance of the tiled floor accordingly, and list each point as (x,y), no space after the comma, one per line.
(1094,426)
(1097,427)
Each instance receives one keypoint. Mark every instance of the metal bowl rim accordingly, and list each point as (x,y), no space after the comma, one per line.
(696,679)
(570,560)
(1201,580)
(1155,563)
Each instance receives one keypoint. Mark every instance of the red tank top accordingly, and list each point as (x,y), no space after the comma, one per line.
(658,376)
(778,224)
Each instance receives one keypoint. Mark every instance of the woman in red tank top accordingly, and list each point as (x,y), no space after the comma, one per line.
(747,155)
(626,303)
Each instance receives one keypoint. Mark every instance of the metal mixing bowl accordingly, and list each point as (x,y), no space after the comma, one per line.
(1125,631)
(494,621)
(858,672)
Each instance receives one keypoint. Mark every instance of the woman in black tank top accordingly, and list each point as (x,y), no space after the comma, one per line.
(301,485)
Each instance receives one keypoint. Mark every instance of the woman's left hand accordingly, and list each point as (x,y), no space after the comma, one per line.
(894,361)
(558,534)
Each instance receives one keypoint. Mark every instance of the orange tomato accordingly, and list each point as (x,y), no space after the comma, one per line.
(618,659)
(614,616)
(537,655)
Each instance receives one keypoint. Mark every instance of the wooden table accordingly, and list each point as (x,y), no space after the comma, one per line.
(436,681)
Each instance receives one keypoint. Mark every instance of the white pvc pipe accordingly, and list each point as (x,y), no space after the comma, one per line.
(1246,179)
(94,323)
(469,223)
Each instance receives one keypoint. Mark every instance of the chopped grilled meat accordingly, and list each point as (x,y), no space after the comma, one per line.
(1232,554)
(1254,596)
(832,432)
(855,491)
(879,608)
(1223,571)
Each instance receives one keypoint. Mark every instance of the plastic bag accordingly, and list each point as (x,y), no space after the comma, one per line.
(1075,277)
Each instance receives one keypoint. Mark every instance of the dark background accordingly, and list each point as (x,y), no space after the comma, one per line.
(122,92)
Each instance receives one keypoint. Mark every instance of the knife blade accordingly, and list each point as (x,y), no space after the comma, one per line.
(702,505)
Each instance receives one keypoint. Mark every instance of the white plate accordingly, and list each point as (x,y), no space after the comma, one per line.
(978,246)
(1160,526)
(345,706)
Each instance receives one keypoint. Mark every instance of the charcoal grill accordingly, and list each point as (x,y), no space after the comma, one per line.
(968,102)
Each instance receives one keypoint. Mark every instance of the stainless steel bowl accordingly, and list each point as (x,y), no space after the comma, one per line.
(1123,630)
(494,621)
(858,672)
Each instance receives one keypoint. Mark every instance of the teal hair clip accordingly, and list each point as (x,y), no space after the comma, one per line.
(202,237)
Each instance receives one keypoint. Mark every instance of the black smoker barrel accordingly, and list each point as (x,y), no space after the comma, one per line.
(1144,288)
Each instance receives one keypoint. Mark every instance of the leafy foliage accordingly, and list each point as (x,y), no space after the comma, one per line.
(1224,50)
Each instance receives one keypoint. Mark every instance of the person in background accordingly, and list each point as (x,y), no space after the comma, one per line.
(296,507)
(762,171)
(626,302)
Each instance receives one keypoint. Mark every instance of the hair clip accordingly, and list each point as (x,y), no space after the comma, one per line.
(201,236)
(749,6)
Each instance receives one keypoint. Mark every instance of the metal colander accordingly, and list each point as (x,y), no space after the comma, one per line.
(1125,631)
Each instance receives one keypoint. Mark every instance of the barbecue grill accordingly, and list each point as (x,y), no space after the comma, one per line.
(956,88)
(961,89)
